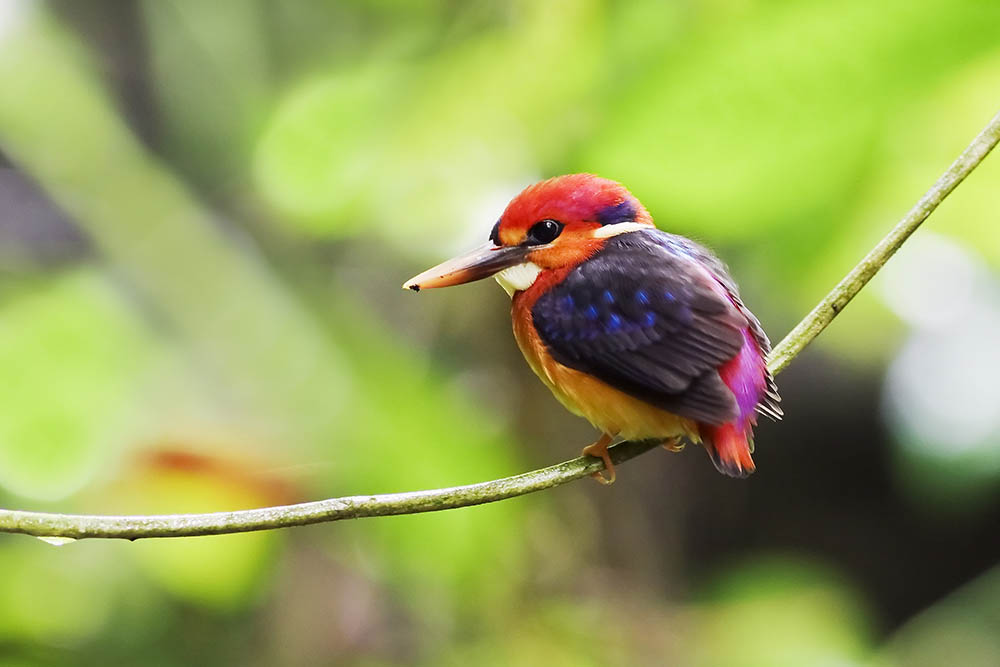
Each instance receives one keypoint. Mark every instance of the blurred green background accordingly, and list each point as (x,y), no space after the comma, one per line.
(206,211)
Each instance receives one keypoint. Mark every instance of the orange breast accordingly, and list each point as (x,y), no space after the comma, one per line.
(608,409)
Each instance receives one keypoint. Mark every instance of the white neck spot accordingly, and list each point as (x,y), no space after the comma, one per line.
(518,277)
(607,231)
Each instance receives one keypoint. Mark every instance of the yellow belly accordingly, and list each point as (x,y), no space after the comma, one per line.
(608,409)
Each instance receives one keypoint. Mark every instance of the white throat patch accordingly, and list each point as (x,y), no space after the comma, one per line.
(518,277)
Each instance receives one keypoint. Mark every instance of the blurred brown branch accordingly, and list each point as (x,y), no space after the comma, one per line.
(67,526)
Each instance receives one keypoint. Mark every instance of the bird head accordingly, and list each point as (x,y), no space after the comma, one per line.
(553,224)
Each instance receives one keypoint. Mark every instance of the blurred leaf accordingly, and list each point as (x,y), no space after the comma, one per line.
(741,130)
(940,398)
(920,146)
(226,572)
(211,77)
(579,632)
(245,326)
(54,595)
(961,629)
(72,356)
(420,148)
(781,611)
(316,160)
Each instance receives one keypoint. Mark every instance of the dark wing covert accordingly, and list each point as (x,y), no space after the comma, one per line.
(646,318)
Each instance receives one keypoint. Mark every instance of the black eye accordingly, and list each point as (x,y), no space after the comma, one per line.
(495,234)
(544,231)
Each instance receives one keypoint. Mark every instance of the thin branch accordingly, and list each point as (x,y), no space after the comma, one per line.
(334,509)
(57,526)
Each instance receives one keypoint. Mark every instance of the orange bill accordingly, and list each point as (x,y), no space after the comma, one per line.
(478,263)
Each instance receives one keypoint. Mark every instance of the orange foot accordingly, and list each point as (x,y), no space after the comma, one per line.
(600,450)
(673,445)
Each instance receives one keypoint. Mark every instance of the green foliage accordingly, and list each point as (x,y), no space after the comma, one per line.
(405,149)
(781,611)
(55,597)
(72,354)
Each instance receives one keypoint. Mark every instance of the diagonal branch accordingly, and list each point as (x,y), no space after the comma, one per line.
(70,526)
(834,302)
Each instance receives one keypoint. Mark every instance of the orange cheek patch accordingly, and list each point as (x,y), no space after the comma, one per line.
(568,250)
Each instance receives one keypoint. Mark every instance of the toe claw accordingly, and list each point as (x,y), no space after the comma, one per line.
(673,445)
(600,477)
(599,450)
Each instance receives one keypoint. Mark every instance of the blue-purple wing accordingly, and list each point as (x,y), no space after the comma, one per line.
(645,316)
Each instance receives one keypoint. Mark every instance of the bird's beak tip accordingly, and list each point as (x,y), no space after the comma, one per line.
(411,286)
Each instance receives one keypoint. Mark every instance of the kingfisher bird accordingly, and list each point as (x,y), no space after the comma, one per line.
(641,332)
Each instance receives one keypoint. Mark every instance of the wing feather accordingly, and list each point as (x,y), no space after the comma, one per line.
(653,315)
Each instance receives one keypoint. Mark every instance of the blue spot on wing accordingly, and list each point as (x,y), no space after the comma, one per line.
(608,297)
(642,297)
(590,312)
(614,322)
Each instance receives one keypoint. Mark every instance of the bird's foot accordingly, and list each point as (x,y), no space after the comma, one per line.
(673,445)
(599,450)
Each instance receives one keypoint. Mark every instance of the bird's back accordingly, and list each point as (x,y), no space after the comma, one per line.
(649,335)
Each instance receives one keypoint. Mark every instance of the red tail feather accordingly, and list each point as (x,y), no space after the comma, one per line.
(730,445)
(729,448)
